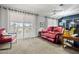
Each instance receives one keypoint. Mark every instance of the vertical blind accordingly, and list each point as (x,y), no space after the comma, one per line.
(20,21)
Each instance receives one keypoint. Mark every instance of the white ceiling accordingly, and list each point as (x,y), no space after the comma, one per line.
(48,9)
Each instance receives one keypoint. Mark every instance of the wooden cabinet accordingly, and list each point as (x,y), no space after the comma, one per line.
(69,38)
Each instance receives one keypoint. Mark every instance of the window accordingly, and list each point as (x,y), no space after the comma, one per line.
(52,22)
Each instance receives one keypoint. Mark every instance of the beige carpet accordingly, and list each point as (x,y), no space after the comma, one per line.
(36,46)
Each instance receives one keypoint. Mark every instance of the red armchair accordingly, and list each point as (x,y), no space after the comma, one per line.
(5,38)
(52,33)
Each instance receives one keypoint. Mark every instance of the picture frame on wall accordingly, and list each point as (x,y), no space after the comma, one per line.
(42,24)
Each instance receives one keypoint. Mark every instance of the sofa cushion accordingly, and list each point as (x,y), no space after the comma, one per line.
(49,35)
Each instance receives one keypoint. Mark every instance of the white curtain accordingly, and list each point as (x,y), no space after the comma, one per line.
(16,23)
(22,24)
(29,31)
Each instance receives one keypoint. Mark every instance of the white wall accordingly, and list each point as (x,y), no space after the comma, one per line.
(3,18)
(43,20)
(0,17)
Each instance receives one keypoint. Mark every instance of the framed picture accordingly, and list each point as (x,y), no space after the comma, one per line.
(42,24)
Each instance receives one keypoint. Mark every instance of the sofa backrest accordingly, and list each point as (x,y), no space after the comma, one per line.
(49,28)
(55,29)
(58,29)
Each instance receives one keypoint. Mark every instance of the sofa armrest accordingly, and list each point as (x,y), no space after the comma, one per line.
(58,37)
(60,33)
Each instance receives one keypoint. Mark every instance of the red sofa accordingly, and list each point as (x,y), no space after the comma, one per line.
(5,38)
(52,33)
